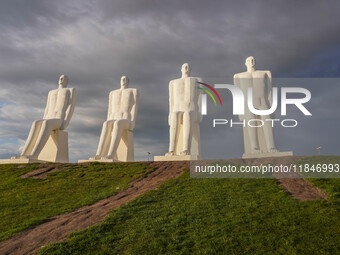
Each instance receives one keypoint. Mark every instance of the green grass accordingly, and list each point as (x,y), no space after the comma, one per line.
(27,202)
(215,216)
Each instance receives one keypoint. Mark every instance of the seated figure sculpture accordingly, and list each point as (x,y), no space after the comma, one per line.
(184,117)
(46,140)
(258,141)
(116,139)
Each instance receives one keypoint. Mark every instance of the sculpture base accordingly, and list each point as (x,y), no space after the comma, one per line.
(56,148)
(267,154)
(19,160)
(176,158)
(98,160)
(125,151)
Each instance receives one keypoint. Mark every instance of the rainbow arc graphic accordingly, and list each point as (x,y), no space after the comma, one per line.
(204,100)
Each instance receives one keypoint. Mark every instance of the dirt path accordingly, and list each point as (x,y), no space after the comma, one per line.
(57,228)
(293,183)
(302,189)
(42,172)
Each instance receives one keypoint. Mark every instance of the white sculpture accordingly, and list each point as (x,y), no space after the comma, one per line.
(184,117)
(116,140)
(46,140)
(258,141)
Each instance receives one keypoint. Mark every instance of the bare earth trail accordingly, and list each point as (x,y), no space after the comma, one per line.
(57,228)
(293,183)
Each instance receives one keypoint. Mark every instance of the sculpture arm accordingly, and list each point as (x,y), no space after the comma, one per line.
(237,81)
(199,116)
(170,101)
(109,111)
(70,108)
(134,110)
(237,84)
(269,88)
(47,106)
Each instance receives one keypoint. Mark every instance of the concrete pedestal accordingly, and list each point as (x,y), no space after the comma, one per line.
(176,158)
(267,155)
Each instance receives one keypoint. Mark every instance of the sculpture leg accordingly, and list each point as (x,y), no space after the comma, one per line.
(46,128)
(106,131)
(118,128)
(32,136)
(173,132)
(268,134)
(187,133)
(254,142)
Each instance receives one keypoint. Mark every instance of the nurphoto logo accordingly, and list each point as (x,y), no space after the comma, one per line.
(244,105)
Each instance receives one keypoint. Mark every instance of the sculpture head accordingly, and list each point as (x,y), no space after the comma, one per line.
(63,81)
(250,63)
(186,69)
(124,82)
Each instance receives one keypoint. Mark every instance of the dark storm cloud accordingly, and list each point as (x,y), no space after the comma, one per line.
(96,42)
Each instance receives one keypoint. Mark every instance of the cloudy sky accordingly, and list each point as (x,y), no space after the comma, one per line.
(96,42)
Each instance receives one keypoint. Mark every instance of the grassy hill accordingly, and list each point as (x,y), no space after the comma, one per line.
(216,216)
(26,202)
(184,216)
